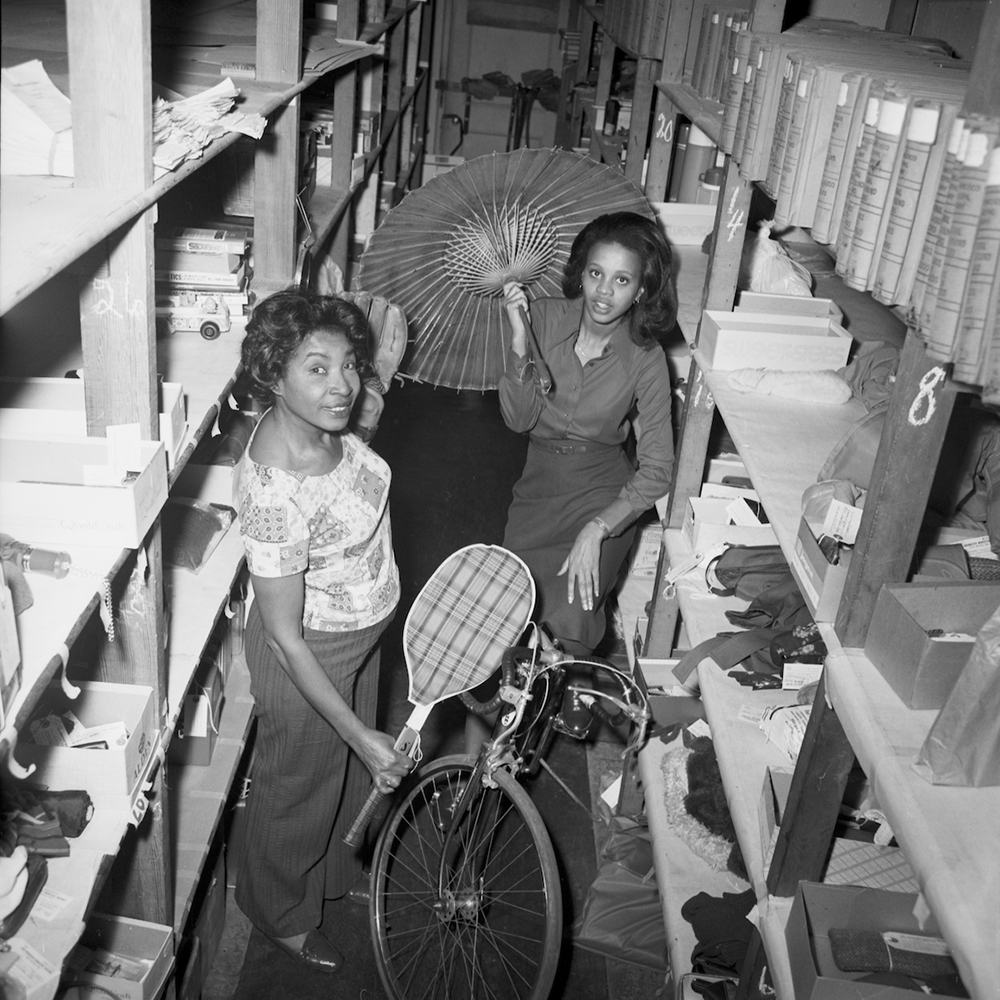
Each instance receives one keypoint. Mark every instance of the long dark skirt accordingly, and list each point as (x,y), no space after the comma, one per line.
(306,786)
(554,498)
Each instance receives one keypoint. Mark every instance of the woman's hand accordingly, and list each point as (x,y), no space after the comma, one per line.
(514,300)
(583,566)
(387,765)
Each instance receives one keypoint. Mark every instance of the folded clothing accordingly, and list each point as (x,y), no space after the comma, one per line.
(824,387)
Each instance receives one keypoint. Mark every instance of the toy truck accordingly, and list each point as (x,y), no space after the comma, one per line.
(189,309)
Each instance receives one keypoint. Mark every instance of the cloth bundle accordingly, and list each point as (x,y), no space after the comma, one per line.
(819,387)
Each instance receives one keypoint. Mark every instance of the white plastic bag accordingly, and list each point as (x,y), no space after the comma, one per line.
(770,268)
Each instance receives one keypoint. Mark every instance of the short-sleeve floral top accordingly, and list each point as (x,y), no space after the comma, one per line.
(334,528)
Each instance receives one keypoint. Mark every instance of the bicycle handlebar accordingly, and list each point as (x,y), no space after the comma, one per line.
(477,707)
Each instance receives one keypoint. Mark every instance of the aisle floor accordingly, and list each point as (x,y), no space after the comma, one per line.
(454,463)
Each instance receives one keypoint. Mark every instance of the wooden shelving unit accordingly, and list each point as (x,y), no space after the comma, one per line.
(950,836)
(99,225)
(609,149)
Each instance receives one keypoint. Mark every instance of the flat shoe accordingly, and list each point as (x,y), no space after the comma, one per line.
(361,891)
(316,952)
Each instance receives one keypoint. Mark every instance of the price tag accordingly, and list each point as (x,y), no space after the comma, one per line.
(842,521)
(31,969)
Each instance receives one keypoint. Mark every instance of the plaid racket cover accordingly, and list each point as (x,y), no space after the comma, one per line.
(472,609)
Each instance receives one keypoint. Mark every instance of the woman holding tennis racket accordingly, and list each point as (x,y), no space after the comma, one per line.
(597,375)
(314,517)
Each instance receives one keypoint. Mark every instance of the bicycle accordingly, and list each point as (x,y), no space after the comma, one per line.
(466,899)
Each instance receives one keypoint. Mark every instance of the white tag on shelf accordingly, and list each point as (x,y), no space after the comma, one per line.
(978,548)
(700,728)
(798,675)
(785,726)
(49,905)
(31,969)
(842,521)
(916,943)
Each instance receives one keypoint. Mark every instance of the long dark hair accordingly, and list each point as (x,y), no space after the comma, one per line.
(654,313)
(281,322)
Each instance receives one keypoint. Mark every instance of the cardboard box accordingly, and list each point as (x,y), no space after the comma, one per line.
(920,669)
(851,862)
(819,907)
(43,497)
(198,724)
(435,164)
(706,523)
(55,407)
(730,340)
(684,224)
(110,776)
(820,582)
(789,305)
(773,799)
(137,941)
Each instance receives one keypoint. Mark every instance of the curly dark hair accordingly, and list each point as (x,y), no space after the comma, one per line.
(282,321)
(653,315)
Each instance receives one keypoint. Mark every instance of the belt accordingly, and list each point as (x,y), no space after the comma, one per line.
(564,446)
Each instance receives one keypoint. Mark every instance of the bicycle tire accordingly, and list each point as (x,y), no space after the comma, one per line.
(495,930)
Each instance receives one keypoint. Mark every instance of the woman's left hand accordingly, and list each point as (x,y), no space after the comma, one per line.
(583,566)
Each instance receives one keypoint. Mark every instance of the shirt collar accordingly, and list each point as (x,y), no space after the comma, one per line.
(620,342)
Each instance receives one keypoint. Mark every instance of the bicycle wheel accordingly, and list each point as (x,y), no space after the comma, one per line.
(467,908)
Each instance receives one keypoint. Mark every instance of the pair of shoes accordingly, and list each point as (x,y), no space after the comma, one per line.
(361,891)
(316,952)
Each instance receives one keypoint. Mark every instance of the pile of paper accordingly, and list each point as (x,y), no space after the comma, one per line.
(183,128)
(36,135)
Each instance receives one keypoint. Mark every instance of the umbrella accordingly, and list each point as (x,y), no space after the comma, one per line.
(467,615)
(444,253)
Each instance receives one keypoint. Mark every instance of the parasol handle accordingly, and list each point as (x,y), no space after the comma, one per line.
(408,742)
(535,355)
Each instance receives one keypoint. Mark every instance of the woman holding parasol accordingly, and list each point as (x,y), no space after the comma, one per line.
(574,507)
(314,517)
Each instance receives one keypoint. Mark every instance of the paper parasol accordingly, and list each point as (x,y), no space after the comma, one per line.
(444,253)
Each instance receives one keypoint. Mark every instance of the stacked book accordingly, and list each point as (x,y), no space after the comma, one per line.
(954,299)
(715,48)
(640,26)
(213,261)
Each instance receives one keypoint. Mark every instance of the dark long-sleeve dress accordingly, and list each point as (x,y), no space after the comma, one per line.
(577,467)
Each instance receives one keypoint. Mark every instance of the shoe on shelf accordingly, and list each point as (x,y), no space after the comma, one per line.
(361,891)
(315,952)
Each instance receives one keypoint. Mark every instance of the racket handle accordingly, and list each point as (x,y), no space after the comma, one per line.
(408,742)
(541,369)
(356,834)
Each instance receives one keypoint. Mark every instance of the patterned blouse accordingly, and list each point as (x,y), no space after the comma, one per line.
(334,528)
